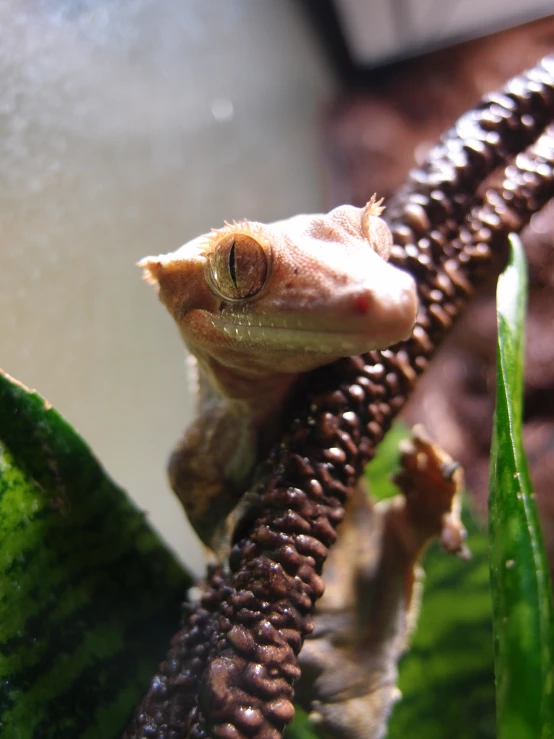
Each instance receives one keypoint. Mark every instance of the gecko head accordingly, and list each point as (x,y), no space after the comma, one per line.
(289,296)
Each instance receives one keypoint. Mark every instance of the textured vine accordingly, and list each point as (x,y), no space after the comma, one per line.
(229,672)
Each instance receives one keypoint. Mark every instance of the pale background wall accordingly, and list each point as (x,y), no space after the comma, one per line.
(126,129)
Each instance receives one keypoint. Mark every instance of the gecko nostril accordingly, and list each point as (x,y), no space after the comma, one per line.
(361,304)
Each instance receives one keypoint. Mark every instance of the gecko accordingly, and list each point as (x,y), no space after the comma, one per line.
(259,306)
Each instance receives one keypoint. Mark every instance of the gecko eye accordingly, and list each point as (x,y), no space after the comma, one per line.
(238,267)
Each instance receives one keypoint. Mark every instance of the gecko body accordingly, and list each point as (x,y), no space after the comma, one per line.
(258,306)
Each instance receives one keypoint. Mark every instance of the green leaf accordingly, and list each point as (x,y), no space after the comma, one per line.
(523,614)
(301,727)
(379,472)
(89,595)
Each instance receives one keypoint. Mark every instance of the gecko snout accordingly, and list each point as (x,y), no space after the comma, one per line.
(388,307)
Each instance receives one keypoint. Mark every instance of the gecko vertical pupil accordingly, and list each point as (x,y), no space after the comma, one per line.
(239,266)
(233,264)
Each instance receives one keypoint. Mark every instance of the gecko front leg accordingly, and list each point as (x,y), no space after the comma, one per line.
(259,306)
(209,468)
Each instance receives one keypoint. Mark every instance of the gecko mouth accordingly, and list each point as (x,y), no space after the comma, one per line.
(280,334)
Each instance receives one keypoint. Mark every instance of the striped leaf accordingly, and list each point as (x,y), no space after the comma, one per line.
(89,595)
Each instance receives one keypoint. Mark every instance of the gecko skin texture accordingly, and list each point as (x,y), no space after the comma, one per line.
(258,305)
(229,672)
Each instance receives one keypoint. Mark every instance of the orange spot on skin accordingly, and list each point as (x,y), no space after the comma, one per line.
(361,304)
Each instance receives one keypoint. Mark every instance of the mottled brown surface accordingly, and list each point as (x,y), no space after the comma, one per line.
(372,141)
(231,675)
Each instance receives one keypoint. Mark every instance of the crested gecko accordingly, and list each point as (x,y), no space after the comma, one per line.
(258,306)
